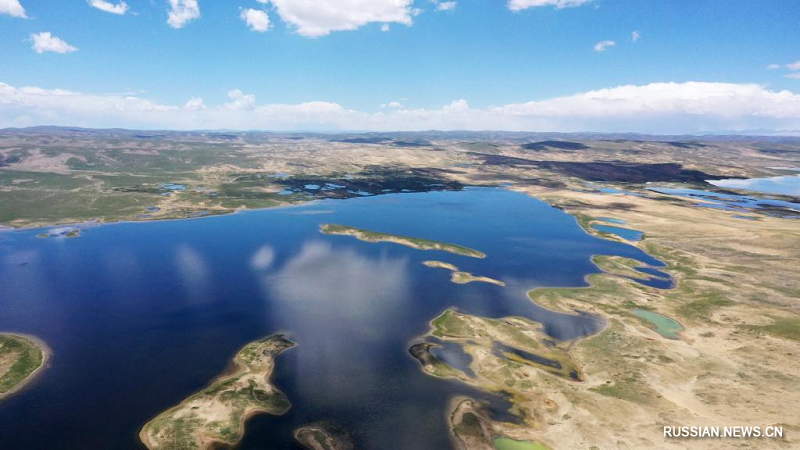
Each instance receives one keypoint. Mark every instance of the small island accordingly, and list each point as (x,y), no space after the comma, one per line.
(417,243)
(21,359)
(217,414)
(323,436)
(68,232)
(459,276)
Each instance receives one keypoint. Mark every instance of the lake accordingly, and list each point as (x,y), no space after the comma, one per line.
(140,315)
(783,185)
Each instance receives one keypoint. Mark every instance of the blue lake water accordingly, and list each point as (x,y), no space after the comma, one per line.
(611,220)
(625,233)
(784,185)
(729,202)
(140,315)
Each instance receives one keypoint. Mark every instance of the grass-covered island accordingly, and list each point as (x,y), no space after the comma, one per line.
(417,243)
(459,276)
(217,414)
(21,358)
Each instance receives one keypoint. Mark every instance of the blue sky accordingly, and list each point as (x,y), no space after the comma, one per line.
(488,54)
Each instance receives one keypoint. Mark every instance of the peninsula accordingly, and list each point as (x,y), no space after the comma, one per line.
(217,414)
(21,358)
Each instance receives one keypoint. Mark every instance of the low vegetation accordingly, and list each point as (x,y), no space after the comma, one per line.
(417,243)
(461,277)
(20,358)
(217,414)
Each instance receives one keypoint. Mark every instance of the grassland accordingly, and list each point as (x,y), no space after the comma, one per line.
(217,414)
(620,266)
(736,299)
(499,344)
(417,243)
(21,358)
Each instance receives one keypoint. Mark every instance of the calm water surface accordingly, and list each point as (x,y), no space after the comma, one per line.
(785,185)
(140,315)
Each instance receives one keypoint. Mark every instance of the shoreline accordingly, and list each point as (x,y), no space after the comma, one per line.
(103,222)
(47,354)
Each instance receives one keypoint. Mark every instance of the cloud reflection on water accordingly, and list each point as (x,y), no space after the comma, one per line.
(263,258)
(338,302)
(194,272)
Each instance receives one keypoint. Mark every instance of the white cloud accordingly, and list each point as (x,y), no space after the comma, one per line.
(13,8)
(445,6)
(194,104)
(113,8)
(652,108)
(603,45)
(182,12)
(635,36)
(793,66)
(385,27)
(392,105)
(46,42)
(240,101)
(321,17)
(793,75)
(256,19)
(456,106)
(773,66)
(519,5)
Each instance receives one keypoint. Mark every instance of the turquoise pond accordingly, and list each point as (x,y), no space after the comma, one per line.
(663,325)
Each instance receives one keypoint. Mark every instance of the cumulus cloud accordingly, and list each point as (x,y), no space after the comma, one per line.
(793,66)
(256,19)
(604,45)
(652,108)
(519,5)
(13,8)
(321,17)
(392,105)
(46,42)
(635,36)
(182,12)
(240,100)
(445,6)
(113,8)
(194,104)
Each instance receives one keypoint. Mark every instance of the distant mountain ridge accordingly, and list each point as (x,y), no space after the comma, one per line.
(408,136)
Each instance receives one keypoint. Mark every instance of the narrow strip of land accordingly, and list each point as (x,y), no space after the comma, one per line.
(417,243)
(459,276)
